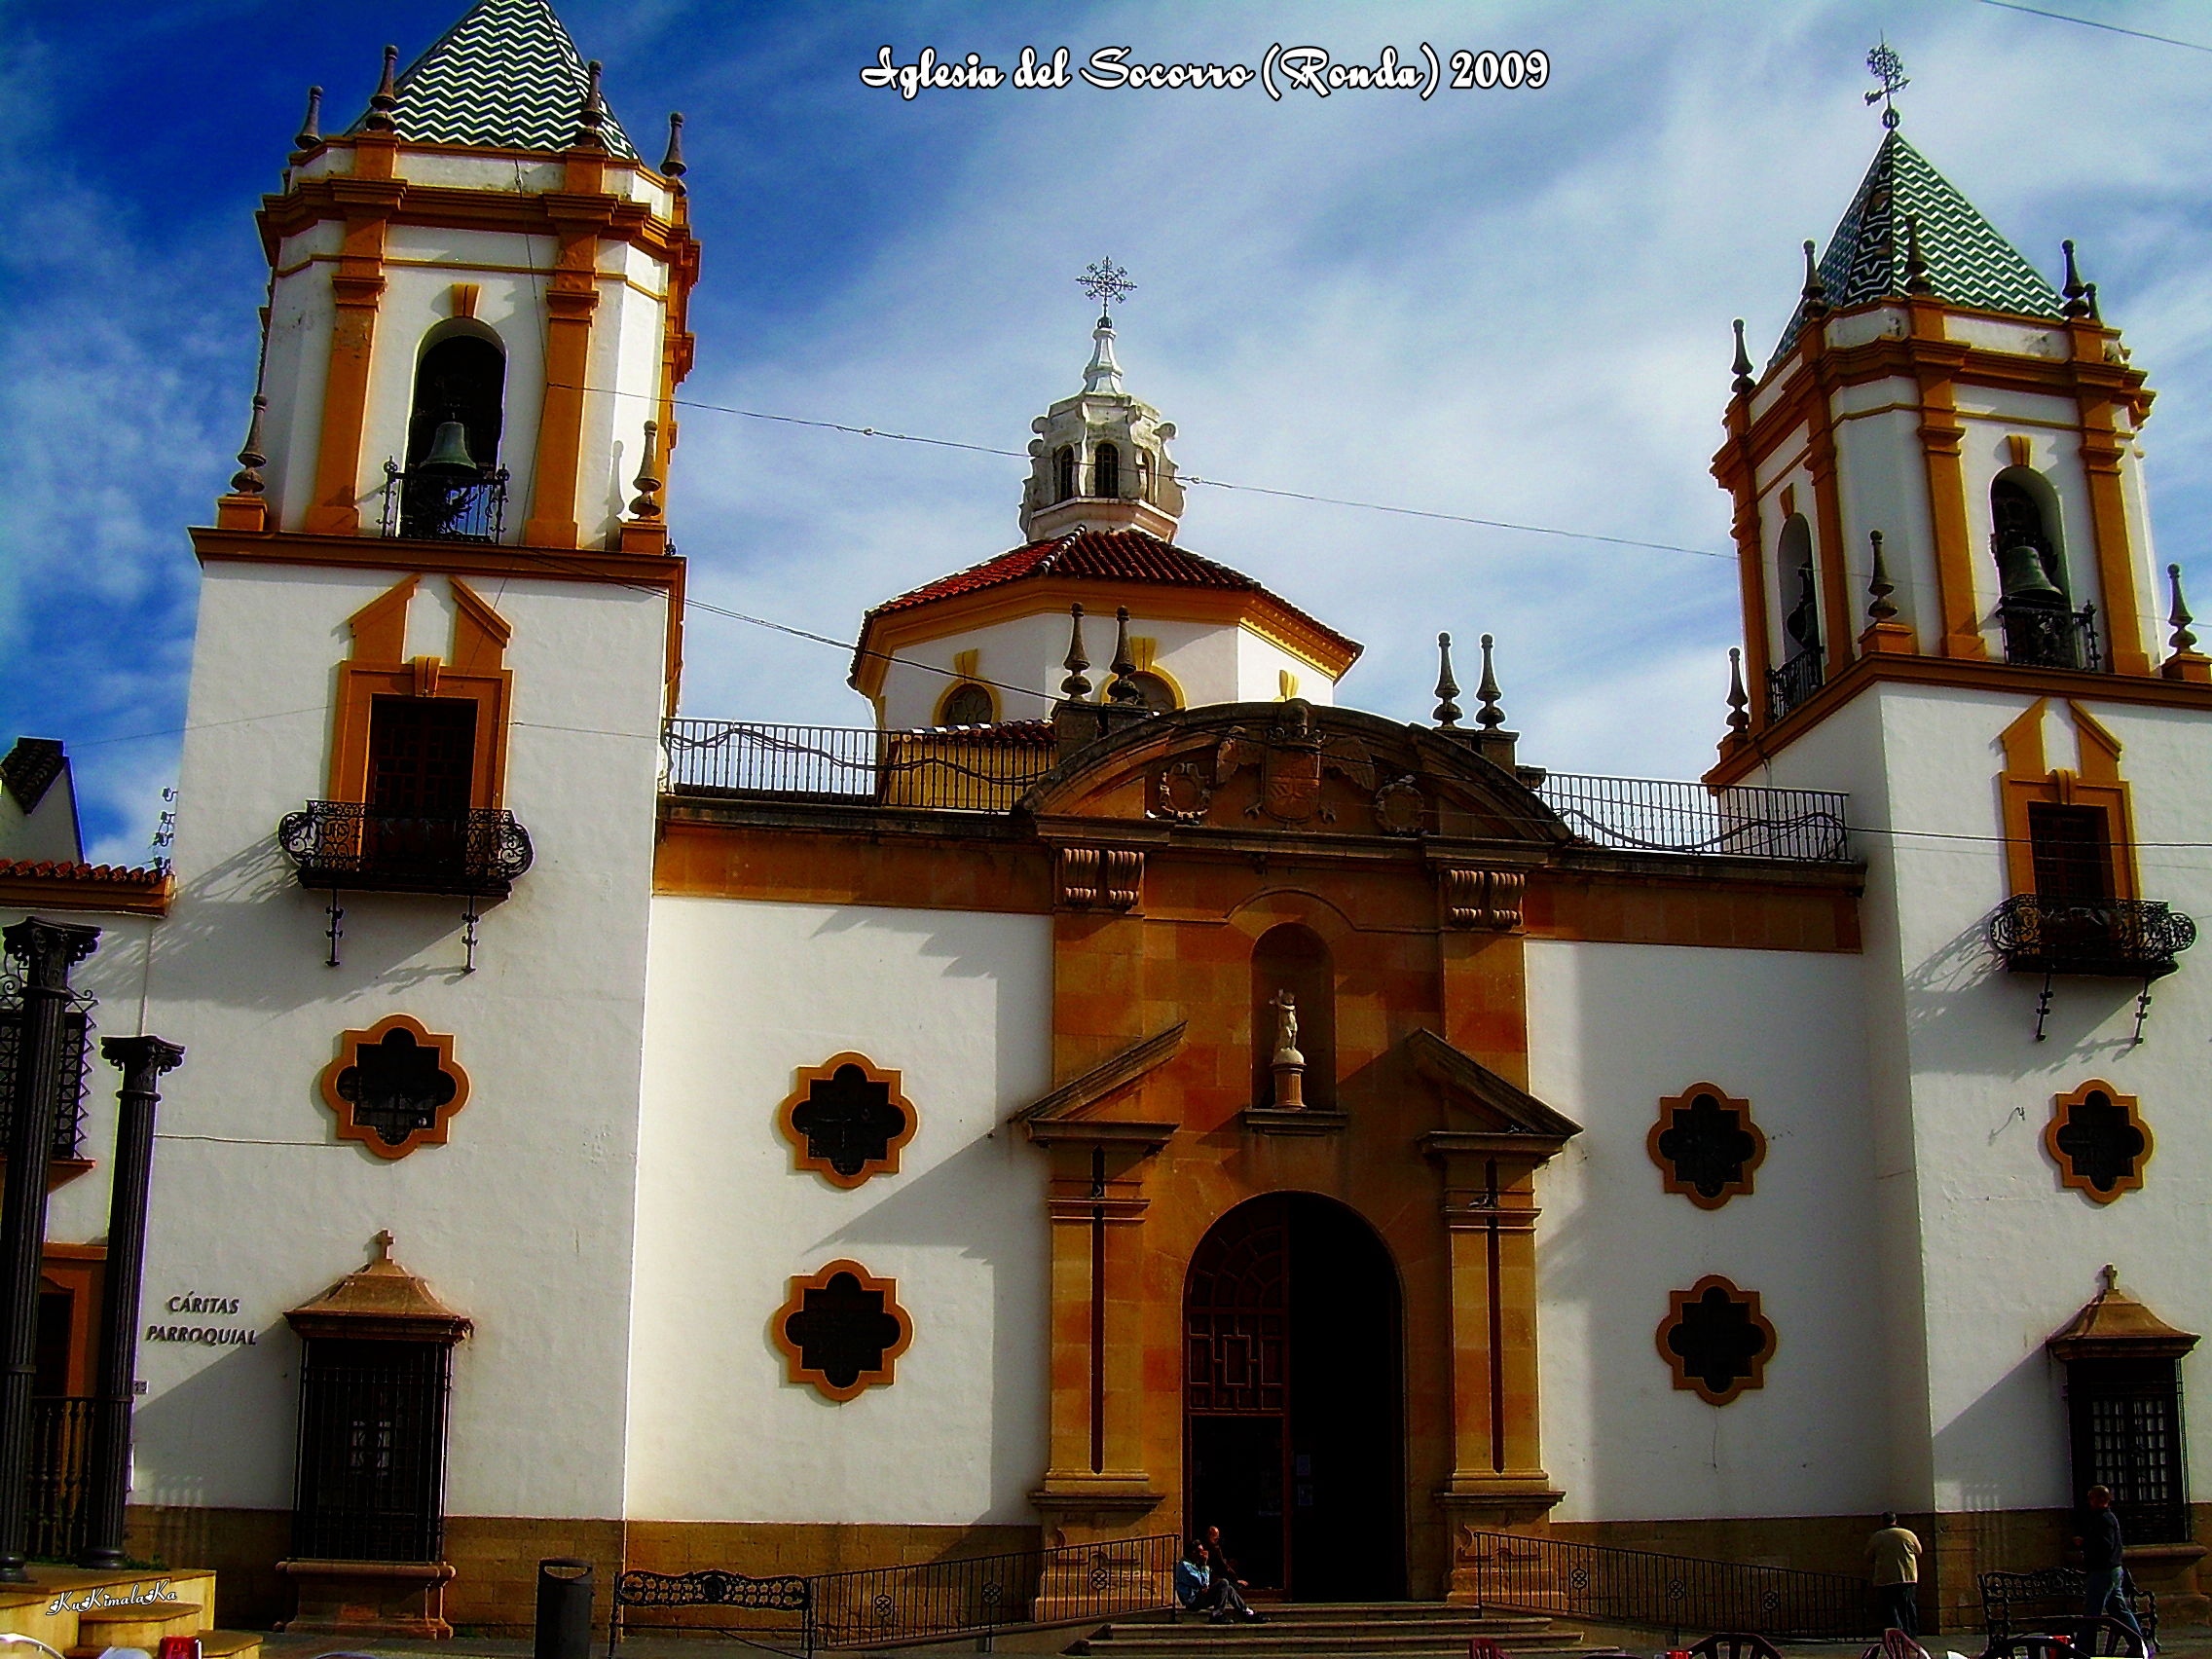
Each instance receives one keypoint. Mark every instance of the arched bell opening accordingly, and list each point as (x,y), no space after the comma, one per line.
(460,377)
(2035,604)
(1106,471)
(1063,472)
(1798,587)
(452,488)
(1294,1441)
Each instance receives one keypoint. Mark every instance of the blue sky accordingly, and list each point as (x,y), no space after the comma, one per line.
(1508,305)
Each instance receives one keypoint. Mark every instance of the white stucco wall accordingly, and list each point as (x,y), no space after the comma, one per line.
(1613,1029)
(523,1222)
(2003,1254)
(740,995)
(1207,662)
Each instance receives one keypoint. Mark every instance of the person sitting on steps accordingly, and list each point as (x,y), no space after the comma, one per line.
(1225,1590)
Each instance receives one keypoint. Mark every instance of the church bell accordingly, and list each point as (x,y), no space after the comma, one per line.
(448,451)
(2024,581)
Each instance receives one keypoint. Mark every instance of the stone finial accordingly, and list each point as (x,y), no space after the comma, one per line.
(591,119)
(310,134)
(2179,618)
(1879,587)
(1743,383)
(247,480)
(1490,716)
(1447,714)
(1077,686)
(2090,293)
(385,98)
(2076,294)
(673,167)
(1739,718)
(1122,690)
(1816,292)
(647,482)
(1916,280)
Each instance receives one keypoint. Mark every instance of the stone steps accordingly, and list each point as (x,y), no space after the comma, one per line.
(1306,1630)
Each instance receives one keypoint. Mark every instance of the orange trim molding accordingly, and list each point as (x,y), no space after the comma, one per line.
(380,667)
(841,1295)
(339,1094)
(820,1146)
(2071,1171)
(1671,1127)
(2026,780)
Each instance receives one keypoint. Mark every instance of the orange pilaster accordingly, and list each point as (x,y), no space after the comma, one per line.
(357,288)
(571,299)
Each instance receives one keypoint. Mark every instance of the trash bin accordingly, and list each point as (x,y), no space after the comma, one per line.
(564,1608)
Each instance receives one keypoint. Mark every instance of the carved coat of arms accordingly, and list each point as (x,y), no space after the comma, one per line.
(1292,757)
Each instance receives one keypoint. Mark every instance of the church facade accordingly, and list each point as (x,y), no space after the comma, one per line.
(1128,1088)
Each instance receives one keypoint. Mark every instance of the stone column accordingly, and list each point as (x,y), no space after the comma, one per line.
(43,953)
(143,1059)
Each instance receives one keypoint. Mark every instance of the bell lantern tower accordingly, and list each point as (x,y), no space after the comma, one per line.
(476,313)
(1938,473)
(1099,459)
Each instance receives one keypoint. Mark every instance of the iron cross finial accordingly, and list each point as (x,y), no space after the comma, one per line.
(1106,282)
(1887,67)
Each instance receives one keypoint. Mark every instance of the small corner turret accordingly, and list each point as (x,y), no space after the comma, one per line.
(1099,459)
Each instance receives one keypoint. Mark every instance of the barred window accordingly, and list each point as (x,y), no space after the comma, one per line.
(2126,1418)
(69,1104)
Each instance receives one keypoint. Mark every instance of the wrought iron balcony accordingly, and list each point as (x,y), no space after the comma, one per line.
(2049,636)
(336,843)
(1793,683)
(437,504)
(2128,938)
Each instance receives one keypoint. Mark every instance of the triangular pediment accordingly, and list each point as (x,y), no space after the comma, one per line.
(1077,1110)
(1291,769)
(1482,1103)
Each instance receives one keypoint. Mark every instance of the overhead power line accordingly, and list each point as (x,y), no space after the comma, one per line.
(2094,24)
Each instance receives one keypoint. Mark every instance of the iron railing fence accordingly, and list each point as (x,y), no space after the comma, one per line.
(431,505)
(975,769)
(1662,816)
(1793,683)
(60,1474)
(976,1596)
(2049,636)
(989,768)
(338,843)
(76,1059)
(1516,1572)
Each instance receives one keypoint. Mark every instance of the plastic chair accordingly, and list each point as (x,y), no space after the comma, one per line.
(1484,1647)
(1735,1645)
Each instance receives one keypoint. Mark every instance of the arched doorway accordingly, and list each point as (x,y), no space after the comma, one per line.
(1294,1438)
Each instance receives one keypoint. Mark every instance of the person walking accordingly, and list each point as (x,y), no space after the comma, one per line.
(1893,1563)
(2104,1565)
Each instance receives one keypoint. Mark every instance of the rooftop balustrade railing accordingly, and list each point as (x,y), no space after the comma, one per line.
(990,768)
(1661,816)
(959,769)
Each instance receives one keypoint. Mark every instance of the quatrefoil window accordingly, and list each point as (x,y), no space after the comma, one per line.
(2097,1137)
(1716,1340)
(394,1086)
(846,1119)
(1706,1145)
(841,1330)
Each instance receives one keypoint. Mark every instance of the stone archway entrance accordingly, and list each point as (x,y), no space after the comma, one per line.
(1294,1400)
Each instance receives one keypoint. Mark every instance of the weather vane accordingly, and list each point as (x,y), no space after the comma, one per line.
(1887,67)
(1107,283)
